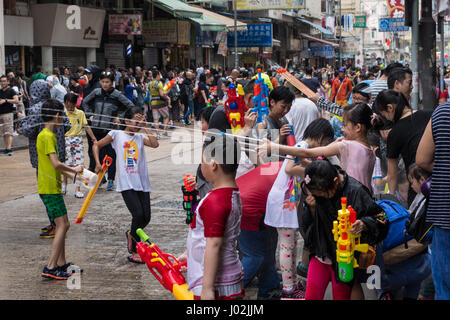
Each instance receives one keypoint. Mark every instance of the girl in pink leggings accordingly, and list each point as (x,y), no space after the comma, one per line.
(323,187)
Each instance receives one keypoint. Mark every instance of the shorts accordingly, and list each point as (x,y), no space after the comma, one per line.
(74,151)
(6,124)
(54,203)
(160,112)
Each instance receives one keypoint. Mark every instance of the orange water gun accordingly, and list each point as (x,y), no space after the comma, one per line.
(169,85)
(165,271)
(295,82)
(106,163)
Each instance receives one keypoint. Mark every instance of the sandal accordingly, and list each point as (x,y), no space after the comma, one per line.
(64,190)
(135,258)
(79,195)
(129,242)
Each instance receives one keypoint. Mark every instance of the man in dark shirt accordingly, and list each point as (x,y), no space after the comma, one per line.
(8,97)
(310,81)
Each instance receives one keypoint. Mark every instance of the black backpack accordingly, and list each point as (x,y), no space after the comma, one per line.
(416,225)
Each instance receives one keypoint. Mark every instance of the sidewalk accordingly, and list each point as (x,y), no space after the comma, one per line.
(19,142)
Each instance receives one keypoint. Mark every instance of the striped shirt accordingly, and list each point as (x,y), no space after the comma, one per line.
(329,106)
(439,205)
(376,87)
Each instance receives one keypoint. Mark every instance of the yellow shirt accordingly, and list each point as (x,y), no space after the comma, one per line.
(266,80)
(77,119)
(49,179)
(154,93)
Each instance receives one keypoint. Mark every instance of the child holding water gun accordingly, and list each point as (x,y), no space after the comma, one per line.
(323,187)
(281,210)
(133,182)
(214,270)
(49,187)
(355,155)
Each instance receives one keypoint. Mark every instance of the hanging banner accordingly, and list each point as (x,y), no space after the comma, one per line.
(124,24)
(269,4)
(184,32)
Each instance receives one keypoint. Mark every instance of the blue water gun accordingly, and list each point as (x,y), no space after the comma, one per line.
(261,97)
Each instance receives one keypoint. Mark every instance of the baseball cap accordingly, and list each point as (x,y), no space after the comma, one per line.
(87,70)
(342,69)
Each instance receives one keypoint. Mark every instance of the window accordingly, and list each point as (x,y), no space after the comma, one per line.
(374,33)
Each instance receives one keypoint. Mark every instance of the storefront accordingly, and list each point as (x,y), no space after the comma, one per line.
(66,39)
(18,43)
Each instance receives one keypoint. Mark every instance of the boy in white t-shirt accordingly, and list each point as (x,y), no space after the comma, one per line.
(214,270)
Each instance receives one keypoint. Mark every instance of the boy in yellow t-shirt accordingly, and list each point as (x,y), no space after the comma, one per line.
(74,139)
(49,187)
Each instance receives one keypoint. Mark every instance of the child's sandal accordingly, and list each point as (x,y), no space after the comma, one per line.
(129,242)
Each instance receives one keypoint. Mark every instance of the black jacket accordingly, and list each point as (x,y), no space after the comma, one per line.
(105,106)
(317,227)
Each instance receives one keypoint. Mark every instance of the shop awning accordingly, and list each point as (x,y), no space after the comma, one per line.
(316,26)
(229,22)
(209,24)
(307,36)
(179,9)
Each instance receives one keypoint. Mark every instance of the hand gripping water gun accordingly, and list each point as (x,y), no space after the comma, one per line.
(261,98)
(290,139)
(235,109)
(169,85)
(346,242)
(165,271)
(106,163)
(189,198)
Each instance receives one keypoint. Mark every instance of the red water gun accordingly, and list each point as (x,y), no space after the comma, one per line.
(170,85)
(235,109)
(165,271)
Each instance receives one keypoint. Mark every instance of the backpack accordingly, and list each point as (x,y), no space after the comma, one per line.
(397,216)
(416,225)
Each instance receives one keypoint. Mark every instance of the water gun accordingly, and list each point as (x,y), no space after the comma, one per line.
(346,242)
(235,109)
(290,140)
(189,198)
(165,271)
(261,98)
(295,82)
(208,103)
(169,85)
(106,163)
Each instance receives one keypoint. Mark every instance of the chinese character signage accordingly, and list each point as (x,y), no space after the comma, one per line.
(159,31)
(125,24)
(269,4)
(396,8)
(360,22)
(392,25)
(256,35)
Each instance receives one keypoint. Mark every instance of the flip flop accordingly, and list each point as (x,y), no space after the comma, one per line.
(129,242)
(135,258)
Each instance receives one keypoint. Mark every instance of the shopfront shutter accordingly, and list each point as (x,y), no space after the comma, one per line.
(71,57)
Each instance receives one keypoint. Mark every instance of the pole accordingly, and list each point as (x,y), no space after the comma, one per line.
(427,56)
(415,53)
(340,34)
(442,48)
(236,58)
(2,40)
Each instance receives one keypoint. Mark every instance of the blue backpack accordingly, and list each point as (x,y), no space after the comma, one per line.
(397,216)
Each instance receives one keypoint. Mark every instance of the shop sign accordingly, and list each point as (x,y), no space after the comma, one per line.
(360,22)
(113,51)
(184,32)
(392,25)
(322,51)
(269,4)
(125,24)
(159,31)
(256,35)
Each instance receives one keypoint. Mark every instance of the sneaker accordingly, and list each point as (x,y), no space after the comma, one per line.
(47,228)
(79,195)
(9,152)
(74,270)
(50,234)
(55,273)
(110,186)
(165,135)
(297,293)
(183,122)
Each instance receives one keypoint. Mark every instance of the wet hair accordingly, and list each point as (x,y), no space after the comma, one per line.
(71,98)
(417,172)
(206,113)
(320,175)
(155,73)
(360,87)
(51,108)
(225,150)
(395,98)
(359,113)
(319,129)
(126,81)
(282,93)
(308,71)
(129,114)
(75,77)
(398,74)
(373,138)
